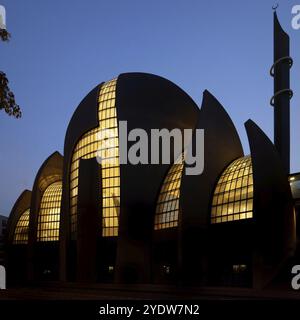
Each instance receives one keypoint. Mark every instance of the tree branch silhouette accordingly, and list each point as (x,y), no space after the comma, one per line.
(7,98)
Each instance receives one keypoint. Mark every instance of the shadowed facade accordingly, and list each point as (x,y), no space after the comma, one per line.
(17,240)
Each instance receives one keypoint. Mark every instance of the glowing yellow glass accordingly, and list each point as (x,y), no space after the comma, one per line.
(167,208)
(103,142)
(21,230)
(49,213)
(233,196)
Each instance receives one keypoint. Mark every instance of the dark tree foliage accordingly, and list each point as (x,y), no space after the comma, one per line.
(7,98)
(4,34)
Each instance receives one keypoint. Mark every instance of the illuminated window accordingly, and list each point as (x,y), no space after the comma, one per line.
(233,196)
(21,231)
(49,213)
(295,186)
(102,141)
(239,268)
(111,269)
(167,208)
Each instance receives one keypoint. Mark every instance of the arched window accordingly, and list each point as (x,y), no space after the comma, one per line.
(49,213)
(21,230)
(167,208)
(233,196)
(101,141)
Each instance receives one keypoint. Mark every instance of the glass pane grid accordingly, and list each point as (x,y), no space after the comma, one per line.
(167,208)
(21,230)
(233,196)
(49,213)
(103,142)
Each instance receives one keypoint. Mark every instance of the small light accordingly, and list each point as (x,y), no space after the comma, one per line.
(292,178)
(111,269)
(166,269)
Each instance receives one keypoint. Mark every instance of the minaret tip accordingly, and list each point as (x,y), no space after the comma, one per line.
(274,7)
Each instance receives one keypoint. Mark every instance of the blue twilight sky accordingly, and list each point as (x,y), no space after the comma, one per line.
(61,49)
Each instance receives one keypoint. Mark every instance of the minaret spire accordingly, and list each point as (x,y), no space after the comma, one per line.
(280,71)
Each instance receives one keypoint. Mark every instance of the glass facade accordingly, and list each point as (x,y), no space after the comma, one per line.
(46,181)
(167,208)
(103,142)
(21,230)
(233,196)
(49,213)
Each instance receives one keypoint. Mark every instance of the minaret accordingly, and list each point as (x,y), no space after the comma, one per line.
(282,92)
